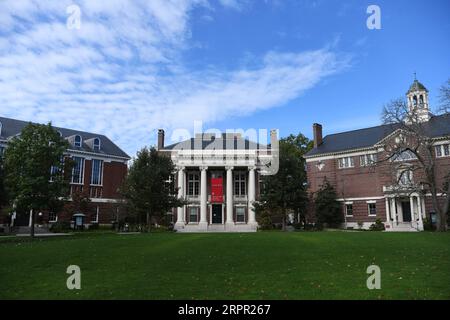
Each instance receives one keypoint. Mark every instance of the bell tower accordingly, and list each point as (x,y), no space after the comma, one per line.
(418,104)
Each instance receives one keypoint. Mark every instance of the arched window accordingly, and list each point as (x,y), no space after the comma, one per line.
(421,99)
(60,134)
(97,144)
(78,141)
(415,100)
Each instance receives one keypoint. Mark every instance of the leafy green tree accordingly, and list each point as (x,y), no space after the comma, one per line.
(79,204)
(327,207)
(148,188)
(285,192)
(3,195)
(36,178)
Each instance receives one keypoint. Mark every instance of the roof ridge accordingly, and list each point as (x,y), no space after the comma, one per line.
(433,116)
(80,131)
(379,126)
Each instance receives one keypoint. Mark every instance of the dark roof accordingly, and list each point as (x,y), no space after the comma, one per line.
(417,86)
(12,127)
(437,126)
(224,142)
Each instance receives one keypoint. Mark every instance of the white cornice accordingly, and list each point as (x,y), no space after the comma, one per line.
(93,155)
(339,154)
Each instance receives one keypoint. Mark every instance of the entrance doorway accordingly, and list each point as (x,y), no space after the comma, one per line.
(216,213)
(406,210)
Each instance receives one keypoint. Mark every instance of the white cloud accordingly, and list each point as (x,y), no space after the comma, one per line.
(119,74)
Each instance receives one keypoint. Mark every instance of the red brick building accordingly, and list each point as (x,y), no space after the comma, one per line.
(100,167)
(365,186)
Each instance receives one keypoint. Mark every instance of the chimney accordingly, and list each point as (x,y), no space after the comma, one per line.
(160,139)
(317,132)
(273,137)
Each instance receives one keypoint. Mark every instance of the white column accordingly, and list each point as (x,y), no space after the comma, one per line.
(229,196)
(203,198)
(394,211)
(181,193)
(411,204)
(31,214)
(388,219)
(419,211)
(251,195)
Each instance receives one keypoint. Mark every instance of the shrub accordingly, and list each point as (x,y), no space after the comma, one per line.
(265,224)
(309,226)
(318,226)
(377,226)
(60,226)
(297,225)
(94,226)
(428,225)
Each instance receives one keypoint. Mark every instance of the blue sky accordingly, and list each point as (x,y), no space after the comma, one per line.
(135,66)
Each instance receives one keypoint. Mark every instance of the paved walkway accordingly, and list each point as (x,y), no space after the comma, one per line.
(43,234)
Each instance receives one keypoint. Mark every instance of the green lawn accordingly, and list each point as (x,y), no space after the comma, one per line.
(264,265)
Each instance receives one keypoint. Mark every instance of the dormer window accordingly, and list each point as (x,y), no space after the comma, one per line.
(77,141)
(0,129)
(96,144)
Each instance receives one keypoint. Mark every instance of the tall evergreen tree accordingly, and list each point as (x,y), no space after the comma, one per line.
(148,188)
(328,210)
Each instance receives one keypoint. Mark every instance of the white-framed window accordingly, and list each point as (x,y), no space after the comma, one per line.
(193,184)
(97,172)
(240,184)
(240,214)
(405,177)
(78,141)
(95,216)
(193,214)
(346,162)
(372,208)
(97,144)
(52,217)
(442,150)
(54,171)
(78,170)
(367,159)
(349,209)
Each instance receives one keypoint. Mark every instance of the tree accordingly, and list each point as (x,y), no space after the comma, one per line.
(148,188)
(3,195)
(285,192)
(327,207)
(413,138)
(36,174)
(444,97)
(79,204)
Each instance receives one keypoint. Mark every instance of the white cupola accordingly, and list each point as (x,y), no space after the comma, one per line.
(418,103)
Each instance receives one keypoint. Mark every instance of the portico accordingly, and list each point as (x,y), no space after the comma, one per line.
(405,212)
(211,209)
(219,180)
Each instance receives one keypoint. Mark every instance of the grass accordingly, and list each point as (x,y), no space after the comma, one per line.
(264,265)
